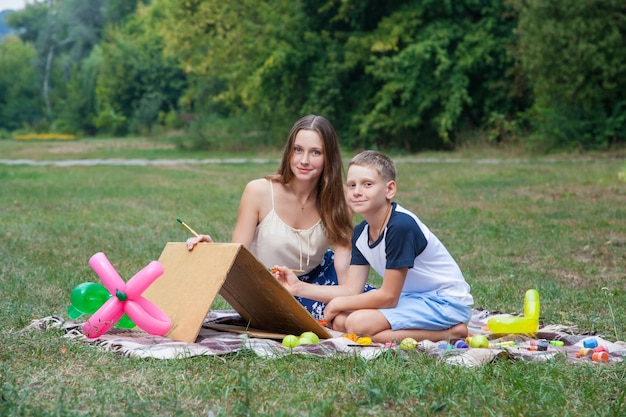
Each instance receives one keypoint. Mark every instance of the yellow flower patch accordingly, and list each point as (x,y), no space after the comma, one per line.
(44,136)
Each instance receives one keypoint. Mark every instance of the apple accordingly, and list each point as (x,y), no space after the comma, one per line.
(291,341)
(479,341)
(310,336)
(408,343)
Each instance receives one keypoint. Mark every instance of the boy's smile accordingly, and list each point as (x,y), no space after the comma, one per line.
(366,191)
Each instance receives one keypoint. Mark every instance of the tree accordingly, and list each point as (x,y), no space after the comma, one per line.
(254,53)
(437,66)
(136,81)
(68,29)
(390,73)
(29,21)
(20,102)
(574,56)
(78,108)
(119,11)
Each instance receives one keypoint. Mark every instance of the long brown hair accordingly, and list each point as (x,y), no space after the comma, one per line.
(330,198)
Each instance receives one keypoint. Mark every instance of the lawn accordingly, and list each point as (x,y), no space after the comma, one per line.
(513,222)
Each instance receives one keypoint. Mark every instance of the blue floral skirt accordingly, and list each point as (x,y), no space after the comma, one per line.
(323,274)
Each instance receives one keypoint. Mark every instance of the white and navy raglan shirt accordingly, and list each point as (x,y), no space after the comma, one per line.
(407,242)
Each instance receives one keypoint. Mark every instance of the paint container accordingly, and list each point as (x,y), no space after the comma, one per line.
(542,345)
(590,343)
(460,344)
(600,357)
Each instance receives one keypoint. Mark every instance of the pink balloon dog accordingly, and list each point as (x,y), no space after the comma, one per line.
(126,298)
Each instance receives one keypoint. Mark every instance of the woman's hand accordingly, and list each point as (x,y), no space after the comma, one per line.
(286,277)
(193,241)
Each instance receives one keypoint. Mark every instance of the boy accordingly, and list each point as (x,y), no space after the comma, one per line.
(423,295)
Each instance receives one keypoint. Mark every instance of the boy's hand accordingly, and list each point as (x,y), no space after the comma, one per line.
(332,310)
(286,277)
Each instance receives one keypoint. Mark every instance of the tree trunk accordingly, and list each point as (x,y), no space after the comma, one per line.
(46,79)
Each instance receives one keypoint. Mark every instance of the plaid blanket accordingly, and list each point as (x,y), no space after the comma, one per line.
(138,344)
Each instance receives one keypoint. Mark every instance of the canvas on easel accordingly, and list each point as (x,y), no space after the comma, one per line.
(192,279)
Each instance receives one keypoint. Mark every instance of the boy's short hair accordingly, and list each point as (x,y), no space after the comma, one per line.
(378,161)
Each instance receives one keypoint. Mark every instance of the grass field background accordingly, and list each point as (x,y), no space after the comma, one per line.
(513,222)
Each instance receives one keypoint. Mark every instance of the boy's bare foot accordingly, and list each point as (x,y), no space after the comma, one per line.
(458,331)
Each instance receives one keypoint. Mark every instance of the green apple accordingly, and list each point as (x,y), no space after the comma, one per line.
(408,343)
(310,336)
(291,341)
(479,341)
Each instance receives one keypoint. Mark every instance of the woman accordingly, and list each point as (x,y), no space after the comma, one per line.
(295,216)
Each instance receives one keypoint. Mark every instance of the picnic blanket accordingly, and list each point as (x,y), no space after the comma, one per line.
(139,344)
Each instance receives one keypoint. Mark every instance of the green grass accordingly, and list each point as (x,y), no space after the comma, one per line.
(556,224)
(106,148)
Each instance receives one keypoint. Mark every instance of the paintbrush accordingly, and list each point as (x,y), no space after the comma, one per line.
(294,270)
(193,232)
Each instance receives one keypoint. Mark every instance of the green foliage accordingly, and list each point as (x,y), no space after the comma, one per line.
(390,74)
(146,111)
(29,21)
(136,81)
(77,110)
(83,21)
(20,98)
(63,34)
(574,54)
(4,29)
(438,64)
(171,119)
(119,11)
(109,120)
(252,55)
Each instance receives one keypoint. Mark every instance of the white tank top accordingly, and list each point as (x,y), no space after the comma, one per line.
(277,243)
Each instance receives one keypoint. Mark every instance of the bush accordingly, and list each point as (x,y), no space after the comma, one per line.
(574,54)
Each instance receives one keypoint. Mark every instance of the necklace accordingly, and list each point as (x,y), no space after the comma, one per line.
(303,205)
(382,226)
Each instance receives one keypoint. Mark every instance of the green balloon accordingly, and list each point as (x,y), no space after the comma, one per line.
(73,313)
(125,322)
(88,297)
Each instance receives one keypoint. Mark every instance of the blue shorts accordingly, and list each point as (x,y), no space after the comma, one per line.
(426,311)
(323,274)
